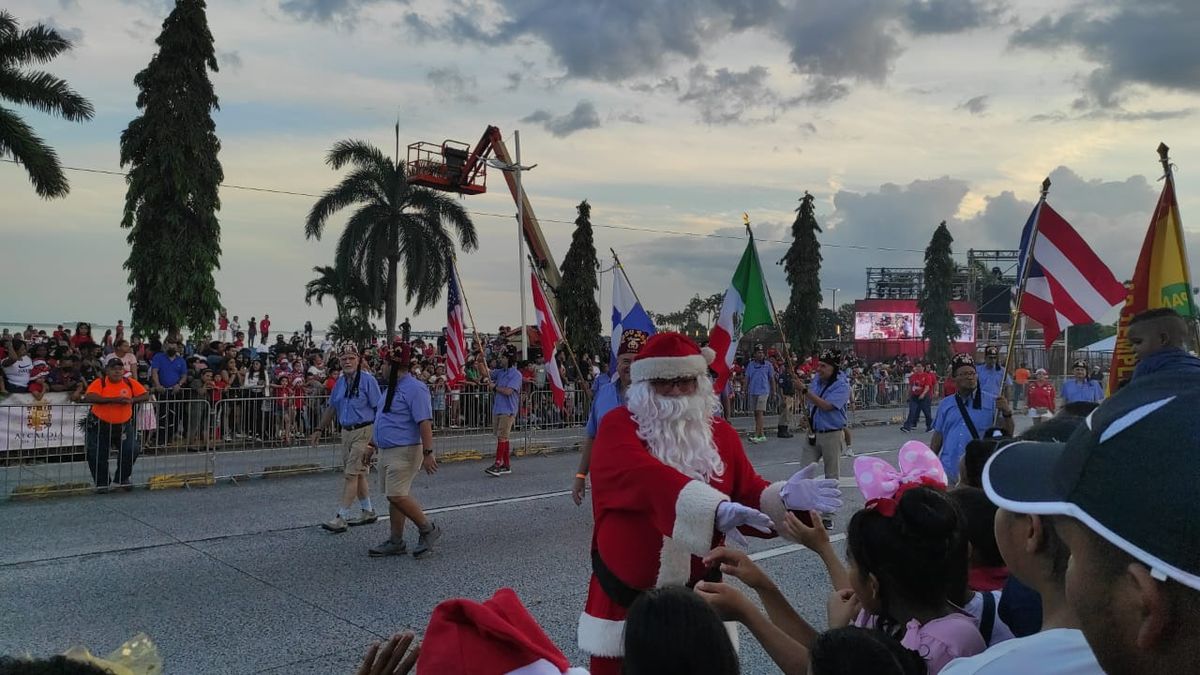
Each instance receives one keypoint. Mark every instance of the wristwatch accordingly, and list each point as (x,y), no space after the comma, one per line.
(427,451)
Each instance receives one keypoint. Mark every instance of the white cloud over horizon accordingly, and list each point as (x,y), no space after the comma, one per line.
(958,117)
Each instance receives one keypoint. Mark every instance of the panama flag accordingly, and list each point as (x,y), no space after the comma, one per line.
(745,307)
(1067,283)
(551,336)
(627,313)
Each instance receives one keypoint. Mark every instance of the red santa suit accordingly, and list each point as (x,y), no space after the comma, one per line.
(652,522)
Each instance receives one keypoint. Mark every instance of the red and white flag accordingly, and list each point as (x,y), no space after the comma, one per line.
(1067,283)
(551,336)
(456,343)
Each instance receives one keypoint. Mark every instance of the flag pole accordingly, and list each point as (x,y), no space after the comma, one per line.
(787,354)
(1169,176)
(463,292)
(628,283)
(539,273)
(1025,265)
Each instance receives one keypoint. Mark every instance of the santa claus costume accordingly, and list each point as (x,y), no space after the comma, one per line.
(669,482)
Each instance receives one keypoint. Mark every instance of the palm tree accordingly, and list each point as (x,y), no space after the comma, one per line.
(40,91)
(393,222)
(348,292)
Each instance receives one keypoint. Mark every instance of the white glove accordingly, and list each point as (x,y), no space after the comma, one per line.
(731,515)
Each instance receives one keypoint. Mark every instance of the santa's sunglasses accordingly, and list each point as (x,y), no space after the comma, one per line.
(682,383)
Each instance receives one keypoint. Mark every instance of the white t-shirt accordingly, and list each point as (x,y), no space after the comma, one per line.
(1000,630)
(17,374)
(1062,651)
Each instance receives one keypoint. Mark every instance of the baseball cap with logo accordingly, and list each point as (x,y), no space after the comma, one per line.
(1128,474)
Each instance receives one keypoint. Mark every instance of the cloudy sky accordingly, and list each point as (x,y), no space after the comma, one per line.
(671,117)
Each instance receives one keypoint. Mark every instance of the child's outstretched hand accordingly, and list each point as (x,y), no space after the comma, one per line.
(842,608)
(394,658)
(729,602)
(737,564)
(814,537)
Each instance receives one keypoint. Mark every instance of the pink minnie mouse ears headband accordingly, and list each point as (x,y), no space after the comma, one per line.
(883,486)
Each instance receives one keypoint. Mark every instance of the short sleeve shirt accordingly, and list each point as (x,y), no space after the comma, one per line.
(1088,390)
(758,378)
(836,394)
(402,424)
(948,421)
(506,404)
(115,413)
(170,371)
(991,381)
(609,397)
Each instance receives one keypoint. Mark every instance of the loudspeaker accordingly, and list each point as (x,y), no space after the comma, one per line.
(995,305)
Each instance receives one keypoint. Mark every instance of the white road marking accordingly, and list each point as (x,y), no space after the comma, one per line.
(493,502)
(790,548)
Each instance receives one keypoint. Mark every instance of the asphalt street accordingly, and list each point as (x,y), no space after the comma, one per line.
(240,579)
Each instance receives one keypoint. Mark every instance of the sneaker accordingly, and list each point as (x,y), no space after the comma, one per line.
(389,547)
(364,518)
(752,438)
(906,429)
(426,541)
(336,526)
(848,452)
(503,470)
(493,470)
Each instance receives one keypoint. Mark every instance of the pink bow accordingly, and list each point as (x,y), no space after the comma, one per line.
(879,481)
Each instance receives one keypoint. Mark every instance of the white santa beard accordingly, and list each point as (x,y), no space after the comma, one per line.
(678,429)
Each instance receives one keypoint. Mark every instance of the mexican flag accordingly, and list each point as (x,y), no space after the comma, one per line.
(1161,279)
(745,307)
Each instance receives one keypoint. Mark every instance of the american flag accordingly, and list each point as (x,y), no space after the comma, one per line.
(456,344)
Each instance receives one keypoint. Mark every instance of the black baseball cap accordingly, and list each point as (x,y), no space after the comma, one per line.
(1128,473)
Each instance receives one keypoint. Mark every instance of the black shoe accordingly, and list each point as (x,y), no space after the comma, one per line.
(783,432)
(493,470)
(828,523)
(906,429)
(503,470)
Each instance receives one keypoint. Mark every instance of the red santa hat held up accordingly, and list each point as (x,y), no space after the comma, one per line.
(667,356)
(495,637)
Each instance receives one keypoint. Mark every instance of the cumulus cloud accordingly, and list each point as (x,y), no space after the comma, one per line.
(325,11)
(451,84)
(1132,42)
(726,96)
(584,116)
(976,105)
(831,41)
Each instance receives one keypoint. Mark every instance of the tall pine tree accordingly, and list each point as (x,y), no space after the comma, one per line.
(934,303)
(171,202)
(803,265)
(577,293)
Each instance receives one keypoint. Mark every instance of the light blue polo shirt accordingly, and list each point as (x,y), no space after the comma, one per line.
(402,425)
(358,409)
(1088,390)
(506,404)
(610,396)
(758,378)
(838,395)
(991,382)
(948,422)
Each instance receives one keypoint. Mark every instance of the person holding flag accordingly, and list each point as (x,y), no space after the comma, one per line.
(610,396)
(745,307)
(1081,387)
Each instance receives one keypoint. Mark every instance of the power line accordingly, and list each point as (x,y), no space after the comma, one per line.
(627,228)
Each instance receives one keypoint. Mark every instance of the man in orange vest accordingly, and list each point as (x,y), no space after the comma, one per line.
(111,423)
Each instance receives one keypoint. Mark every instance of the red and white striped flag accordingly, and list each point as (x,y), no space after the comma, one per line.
(456,343)
(1067,284)
(551,336)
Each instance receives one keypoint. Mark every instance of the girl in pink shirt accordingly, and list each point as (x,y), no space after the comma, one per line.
(907,560)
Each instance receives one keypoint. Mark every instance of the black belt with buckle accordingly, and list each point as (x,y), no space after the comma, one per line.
(360,425)
(828,431)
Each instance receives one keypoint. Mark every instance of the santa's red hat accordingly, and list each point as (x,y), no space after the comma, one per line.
(667,356)
(495,637)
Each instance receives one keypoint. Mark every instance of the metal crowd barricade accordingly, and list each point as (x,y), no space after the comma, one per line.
(44,446)
(257,433)
(549,428)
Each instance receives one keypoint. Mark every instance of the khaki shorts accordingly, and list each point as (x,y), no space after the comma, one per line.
(354,446)
(502,426)
(397,469)
(758,402)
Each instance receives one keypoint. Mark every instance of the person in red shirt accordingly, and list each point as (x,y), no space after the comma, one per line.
(920,397)
(264,327)
(83,334)
(223,327)
(1041,397)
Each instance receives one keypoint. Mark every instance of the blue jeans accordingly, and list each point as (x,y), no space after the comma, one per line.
(916,406)
(99,440)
